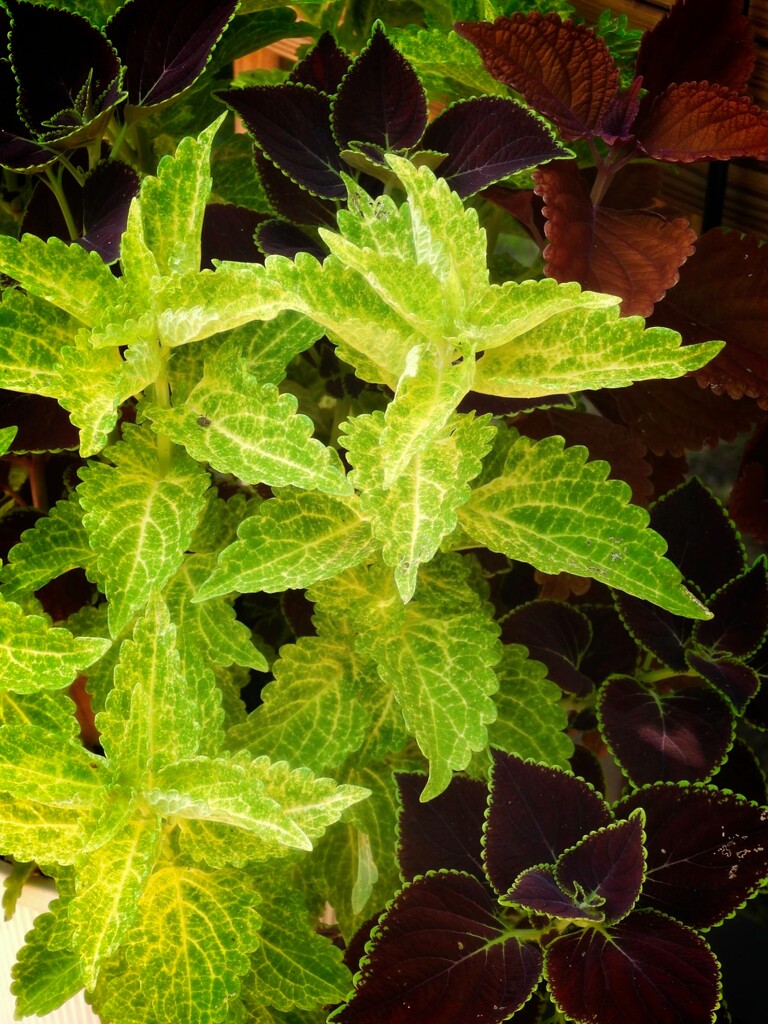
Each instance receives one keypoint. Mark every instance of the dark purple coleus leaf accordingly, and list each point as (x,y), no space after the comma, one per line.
(535,813)
(43,425)
(742,774)
(18,150)
(71,102)
(487,139)
(615,652)
(563,70)
(439,956)
(555,634)
(647,968)
(748,502)
(740,615)
(445,832)
(323,67)
(290,200)
(291,124)
(165,44)
(381,100)
(635,254)
(733,679)
(707,850)
(228,234)
(280,238)
(656,630)
(698,41)
(538,892)
(682,735)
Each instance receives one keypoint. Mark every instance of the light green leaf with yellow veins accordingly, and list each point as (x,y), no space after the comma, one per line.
(587,349)
(39,765)
(219,520)
(292,965)
(265,348)
(91,390)
(210,625)
(220,846)
(110,881)
(77,282)
(32,335)
(46,834)
(531,720)
(36,656)
(249,429)
(140,276)
(7,435)
(438,654)
(439,54)
(558,512)
(56,543)
(191,941)
(18,874)
(151,717)
(317,679)
(54,712)
(140,514)
(295,539)
(91,620)
(44,976)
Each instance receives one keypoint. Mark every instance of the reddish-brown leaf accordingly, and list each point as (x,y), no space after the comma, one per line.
(749,496)
(563,70)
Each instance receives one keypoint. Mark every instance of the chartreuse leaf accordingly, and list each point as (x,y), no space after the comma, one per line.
(13,885)
(92,388)
(35,656)
(293,966)
(110,881)
(7,435)
(44,975)
(35,831)
(553,509)
(32,335)
(438,54)
(39,765)
(54,712)
(191,939)
(139,512)
(296,539)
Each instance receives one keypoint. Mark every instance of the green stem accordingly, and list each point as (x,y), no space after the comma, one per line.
(54,183)
(162,388)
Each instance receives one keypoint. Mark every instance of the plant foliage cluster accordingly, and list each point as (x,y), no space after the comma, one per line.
(367,651)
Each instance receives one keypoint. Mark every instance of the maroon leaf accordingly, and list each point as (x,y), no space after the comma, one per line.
(563,70)
(621,114)
(290,200)
(735,681)
(537,891)
(439,956)
(381,100)
(43,425)
(648,968)
(707,850)
(228,234)
(487,139)
(279,238)
(323,67)
(742,774)
(106,199)
(631,253)
(698,41)
(535,813)
(615,650)
(555,634)
(659,632)
(18,150)
(670,737)
(291,124)
(445,832)
(165,44)
(523,205)
(740,615)
(748,503)
(699,121)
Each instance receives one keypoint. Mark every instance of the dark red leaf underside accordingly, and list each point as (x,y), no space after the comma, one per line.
(438,957)
(107,194)
(749,495)
(228,234)
(291,124)
(648,968)
(290,200)
(740,615)
(487,139)
(535,814)
(555,634)
(681,736)
(620,116)
(658,631)
(537,891)
(445,832)
(635,254)
(323,67)
(736,681)
(698,41)
(563,70)
(609,866)
(281,238)
(381,100)
(699,121)
(165,44)
(707,850)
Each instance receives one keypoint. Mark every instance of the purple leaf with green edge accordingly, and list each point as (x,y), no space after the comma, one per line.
(734,680)
(537,891)
(107,194)
(81,85)
(743,774)
(280,238)
(439,956)
(228,234)
(646,969)
(290,200)
(291,124)
(756,712)
(43,425)
(585,764)
(18,151)
(748,503)
(616,651)
(701,41)
(534,814)
(487,139)
(707,851)
(740,615)
(555,634)
(656,630)
(446,832)
(43,216)
(380,100)
(323,67)
(682,736)
(563,71)
(165,44)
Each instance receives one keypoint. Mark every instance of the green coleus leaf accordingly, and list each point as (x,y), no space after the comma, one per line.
(190,942)
(553,509)
(30,830)
(295,539)
(293,966)
(139,512)
(32,336)
(44,975)
(39,765)
(54,712)
(437,54)
(249,429)
(265,348)
(35,656)
(92,388)
(7,435)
